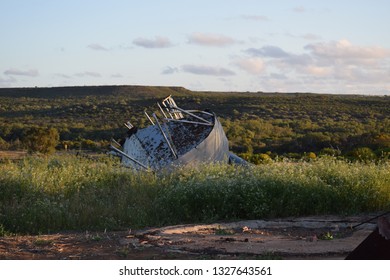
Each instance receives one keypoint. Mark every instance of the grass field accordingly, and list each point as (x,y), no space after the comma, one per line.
(49,194)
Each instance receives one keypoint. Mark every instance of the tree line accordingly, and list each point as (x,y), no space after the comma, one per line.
(259,125)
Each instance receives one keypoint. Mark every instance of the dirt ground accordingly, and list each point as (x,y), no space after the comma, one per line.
(325,237)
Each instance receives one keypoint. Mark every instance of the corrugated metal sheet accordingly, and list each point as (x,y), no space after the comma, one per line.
(214,148)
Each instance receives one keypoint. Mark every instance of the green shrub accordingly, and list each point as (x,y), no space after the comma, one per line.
(363,153)
(41,140)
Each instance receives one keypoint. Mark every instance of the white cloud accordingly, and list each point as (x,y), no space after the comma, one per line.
(156,43)
(88,74)
(267,51)
(61,75)
(214,40)
(343,61)
(299,9)
(278,76)
(255,17)
(206,70)
(18,72)
(299,59)
(253,65)
(334,66)
(345,51)
(279,56)
(97,47)
(318,71)
(169,70)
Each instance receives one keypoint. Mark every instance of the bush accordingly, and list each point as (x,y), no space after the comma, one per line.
(41,140)
(3,144)
(364,154)
(310,156)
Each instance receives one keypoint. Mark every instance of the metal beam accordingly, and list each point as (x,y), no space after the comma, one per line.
(149,118)
(191,114)
(129,157)
(165,137)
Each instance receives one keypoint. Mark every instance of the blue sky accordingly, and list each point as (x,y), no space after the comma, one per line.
(219,45)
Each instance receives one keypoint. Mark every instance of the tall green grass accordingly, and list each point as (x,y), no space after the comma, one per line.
(40,195)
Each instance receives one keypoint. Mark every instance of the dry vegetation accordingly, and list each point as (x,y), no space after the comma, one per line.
(42,195)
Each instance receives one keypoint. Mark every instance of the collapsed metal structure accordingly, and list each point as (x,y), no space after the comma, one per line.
(177,137)
(189,137)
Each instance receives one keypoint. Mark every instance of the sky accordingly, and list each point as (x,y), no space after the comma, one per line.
(333,46)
